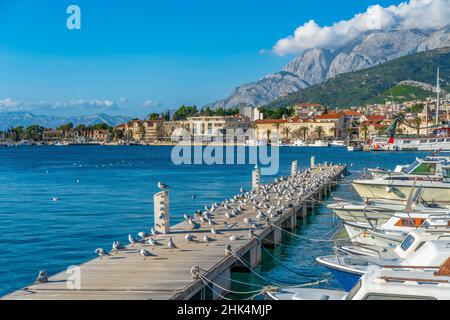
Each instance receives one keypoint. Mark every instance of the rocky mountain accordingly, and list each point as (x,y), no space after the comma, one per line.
(317,65)
(14,119)
(405,78)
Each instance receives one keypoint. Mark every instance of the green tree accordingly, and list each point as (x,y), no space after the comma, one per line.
(34,133)
(319,132)
(154,116)
(304,131)
(184,112)
(364,129)
(418,124)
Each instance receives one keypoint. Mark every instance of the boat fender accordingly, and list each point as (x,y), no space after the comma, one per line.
(388,189)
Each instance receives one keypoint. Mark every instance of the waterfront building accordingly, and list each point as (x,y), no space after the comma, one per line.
(50,136)
(252,113)
(209,128)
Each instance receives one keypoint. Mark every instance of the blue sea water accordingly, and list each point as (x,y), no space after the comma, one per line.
(105,193)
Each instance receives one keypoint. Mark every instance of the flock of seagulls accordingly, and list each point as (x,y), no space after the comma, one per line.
(269,202)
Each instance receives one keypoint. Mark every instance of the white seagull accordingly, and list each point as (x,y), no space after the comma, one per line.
(132,240)
(145,253)
(101,252)
(171,245)
(163,186)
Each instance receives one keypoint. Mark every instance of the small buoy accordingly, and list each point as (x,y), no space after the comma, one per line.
(78,181)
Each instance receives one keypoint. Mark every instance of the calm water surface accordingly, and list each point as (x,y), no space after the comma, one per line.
(106,193)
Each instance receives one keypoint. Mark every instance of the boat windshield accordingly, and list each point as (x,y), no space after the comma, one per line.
(424,169)
(406,244)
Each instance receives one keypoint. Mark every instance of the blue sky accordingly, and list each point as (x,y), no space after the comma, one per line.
(128,52)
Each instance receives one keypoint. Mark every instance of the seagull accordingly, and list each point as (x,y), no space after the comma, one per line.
(42,277)
(242,190)
(153,242)
(117,246)
(234,238)
(189,238)
(54,199)
(163,186)
(207,239)
(101,252)
(171,244)
(132,240)
(214,231)
(143,235)
(153,232)
(145,253)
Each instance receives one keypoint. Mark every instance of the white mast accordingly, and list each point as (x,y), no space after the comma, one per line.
(438,102)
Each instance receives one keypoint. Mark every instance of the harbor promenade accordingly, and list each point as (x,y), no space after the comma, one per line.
(201,267)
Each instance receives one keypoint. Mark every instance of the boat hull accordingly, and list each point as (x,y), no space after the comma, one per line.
(363,235)
(431,194)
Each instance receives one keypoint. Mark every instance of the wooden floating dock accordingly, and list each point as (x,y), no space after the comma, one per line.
(168,275)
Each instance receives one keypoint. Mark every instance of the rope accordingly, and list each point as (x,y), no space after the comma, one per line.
(284,266)
(317,240)
(228,290)
(230,279)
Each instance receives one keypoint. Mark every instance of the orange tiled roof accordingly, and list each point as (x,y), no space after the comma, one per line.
(328,116)
(268,121)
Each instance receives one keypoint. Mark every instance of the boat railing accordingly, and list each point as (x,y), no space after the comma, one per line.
(338,249)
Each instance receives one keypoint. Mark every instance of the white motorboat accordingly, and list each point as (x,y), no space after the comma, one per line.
(300,143)
(338,144)
(319,144)
(355,148)
(381,284)
(432,175)
(392,233)
(419,250)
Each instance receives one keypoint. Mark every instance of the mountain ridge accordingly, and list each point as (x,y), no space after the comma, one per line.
(316,65)
(24,118)
(369,85)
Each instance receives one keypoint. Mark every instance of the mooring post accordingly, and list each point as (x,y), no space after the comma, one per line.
(256,178)
(313,161)
(294,168)
(162,212)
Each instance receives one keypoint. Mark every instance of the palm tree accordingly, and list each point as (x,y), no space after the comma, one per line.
(269,133)
(365,130)
(319,131)
(297,133)
(304,131)
(286,133)
(254,127)
(418,123)
(333,131)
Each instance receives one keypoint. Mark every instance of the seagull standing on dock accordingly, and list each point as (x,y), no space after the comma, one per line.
(153,242)
(163,186)
(145,253)
(101,252)
(42,277)
(117,246)
(132,240)
(234,238)
(143,235)
(207,239)
(189,238)
(171,245)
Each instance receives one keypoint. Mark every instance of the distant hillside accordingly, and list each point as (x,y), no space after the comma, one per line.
(14,119)
(374,85)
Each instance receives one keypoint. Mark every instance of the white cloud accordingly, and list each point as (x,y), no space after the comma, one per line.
(124,100)
(415,14)
(11,105)
(150,104)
